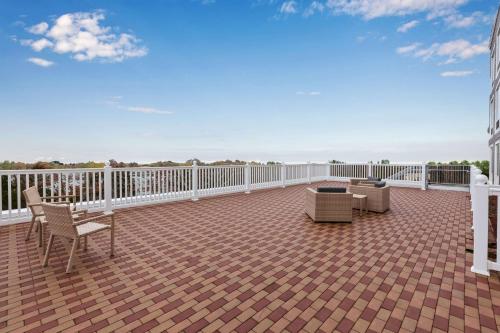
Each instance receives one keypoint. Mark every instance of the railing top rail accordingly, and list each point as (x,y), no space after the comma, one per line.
(380,164)
(47,171)
(152,168)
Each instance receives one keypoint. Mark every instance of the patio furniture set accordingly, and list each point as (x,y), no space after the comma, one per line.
(62,218)
(65,221)
(335,204)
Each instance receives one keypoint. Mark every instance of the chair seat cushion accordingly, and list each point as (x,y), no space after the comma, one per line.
(331,190)
(90,227)
(379,184)
(43,220)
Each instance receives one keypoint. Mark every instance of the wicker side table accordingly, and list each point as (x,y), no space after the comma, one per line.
(363,204)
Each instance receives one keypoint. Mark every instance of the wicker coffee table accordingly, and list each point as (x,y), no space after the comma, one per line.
(363,204)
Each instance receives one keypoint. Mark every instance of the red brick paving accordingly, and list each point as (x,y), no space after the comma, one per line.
(256,262)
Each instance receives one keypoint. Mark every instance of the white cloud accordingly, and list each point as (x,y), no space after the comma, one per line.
(453,51)
(370,9)
(407,48)
(116,102)
(82,35)
(459,21)
(313,8)
(41,62)
(288,7)
(308,93)
(40,44)
(38,29)
(462,49)
(148,110)
(457,73)
(407,26)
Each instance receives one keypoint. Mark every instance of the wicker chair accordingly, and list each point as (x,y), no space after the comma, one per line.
(378,198)
(328,207)
(61,223)
(34,202)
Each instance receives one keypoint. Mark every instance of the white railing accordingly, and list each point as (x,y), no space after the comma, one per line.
(107,188)
(480,192)
(407,175)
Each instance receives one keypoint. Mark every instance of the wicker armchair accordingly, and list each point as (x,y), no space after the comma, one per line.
(328,207)
(378,198)
(34,203)
(61,223)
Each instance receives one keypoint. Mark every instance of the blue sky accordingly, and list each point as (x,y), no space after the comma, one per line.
(350,80)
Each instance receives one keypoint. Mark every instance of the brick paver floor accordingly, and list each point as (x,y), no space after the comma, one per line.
(256,262)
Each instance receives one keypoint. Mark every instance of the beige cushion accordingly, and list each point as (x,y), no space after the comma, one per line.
(90,227)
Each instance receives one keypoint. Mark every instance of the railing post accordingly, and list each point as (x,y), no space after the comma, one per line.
(480,221)
(247,178)
(107,189)
(283,174)
(309,172)
(327,171)
(195,181)
(472,187)
(424,176)
(370,169)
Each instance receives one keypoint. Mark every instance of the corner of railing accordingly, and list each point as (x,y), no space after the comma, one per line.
(247,178)
(283,174)
(194,181)
(108,204)
(309,172)
(423,180)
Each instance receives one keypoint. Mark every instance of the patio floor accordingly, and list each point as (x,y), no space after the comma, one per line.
(255,263)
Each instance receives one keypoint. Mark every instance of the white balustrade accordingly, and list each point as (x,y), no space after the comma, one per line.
(107,188)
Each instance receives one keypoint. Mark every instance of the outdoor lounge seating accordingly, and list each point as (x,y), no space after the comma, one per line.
(378,198)
(34,203)
(61,223)
(329,206)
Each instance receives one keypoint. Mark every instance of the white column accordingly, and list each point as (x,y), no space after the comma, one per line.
(107,189)
(195,181)
(247,178)
(309,172)
(480,221)
(424,176)
(370,169)
(283,174)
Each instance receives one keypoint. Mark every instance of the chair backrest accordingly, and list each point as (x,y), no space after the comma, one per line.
(32,196)
(60,220)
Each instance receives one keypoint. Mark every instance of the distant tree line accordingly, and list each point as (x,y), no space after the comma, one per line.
(12,165)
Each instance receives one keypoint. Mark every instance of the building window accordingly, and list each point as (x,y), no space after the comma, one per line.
(496,105)
(492,164)
(497,164)
(492,114)
(497,52)
(492,66)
